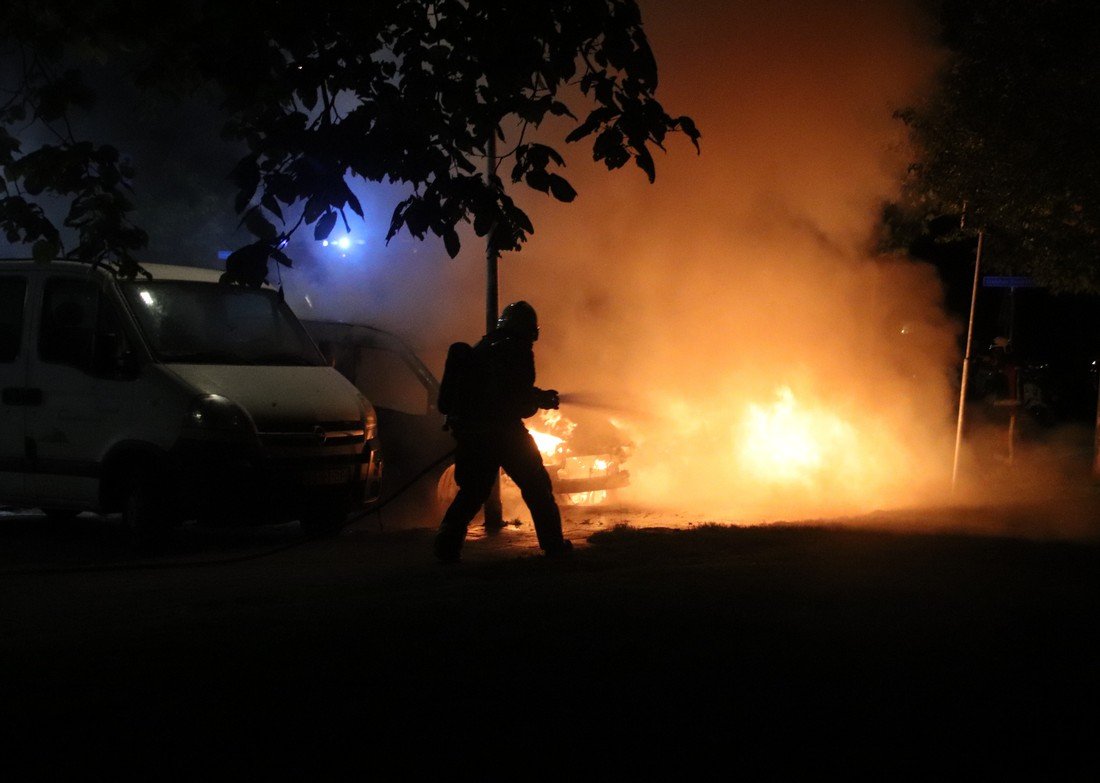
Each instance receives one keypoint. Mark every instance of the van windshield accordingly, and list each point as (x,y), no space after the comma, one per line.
(190,322)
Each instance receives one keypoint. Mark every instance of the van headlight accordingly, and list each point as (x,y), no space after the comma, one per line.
(370,418)
(215,413)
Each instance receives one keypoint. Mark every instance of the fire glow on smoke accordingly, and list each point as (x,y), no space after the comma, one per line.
(790,452)
(735,319)
(784,454)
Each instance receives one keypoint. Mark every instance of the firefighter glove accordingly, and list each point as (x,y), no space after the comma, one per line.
(548,398)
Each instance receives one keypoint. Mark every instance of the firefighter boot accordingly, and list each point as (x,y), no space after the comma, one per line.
(448,543)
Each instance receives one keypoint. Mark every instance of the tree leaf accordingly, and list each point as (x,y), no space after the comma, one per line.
(687,125)
(559,109)
(645,163)
(416,218)
(451,243)
(539,180)
(353,201)
(315,207)
(259,226)
(270,203)
(325,225)
(561,189)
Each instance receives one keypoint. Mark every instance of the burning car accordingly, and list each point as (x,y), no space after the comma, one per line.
(585,461)
(584,455)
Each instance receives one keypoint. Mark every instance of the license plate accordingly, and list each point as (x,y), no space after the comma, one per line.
(327,476)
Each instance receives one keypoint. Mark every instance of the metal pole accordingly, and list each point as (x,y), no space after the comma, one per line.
(1096,438)
(494,513)
(491,253)
(1014,378)
(966,361)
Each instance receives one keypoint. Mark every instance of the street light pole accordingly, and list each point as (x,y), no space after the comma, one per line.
(1096,438)
(494,514)
(492,255)
(966,361)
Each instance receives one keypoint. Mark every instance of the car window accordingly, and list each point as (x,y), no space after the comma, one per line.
(81,328)
(13,294)
(68,324)
(388,381)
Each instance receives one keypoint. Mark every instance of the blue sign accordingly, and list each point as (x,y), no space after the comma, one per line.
(1007,282)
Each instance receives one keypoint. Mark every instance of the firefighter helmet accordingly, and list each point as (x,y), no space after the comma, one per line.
(519,319)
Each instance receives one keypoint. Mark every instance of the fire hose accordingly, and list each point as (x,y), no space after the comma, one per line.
(404,487)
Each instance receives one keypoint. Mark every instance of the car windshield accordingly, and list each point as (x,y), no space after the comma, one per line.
(189,322)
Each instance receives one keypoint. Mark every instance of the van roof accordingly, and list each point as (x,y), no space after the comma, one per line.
(158,271)
(180,272)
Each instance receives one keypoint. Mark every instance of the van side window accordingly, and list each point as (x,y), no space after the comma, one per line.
(13,294)
(388,382)
(69,314)
(82,329)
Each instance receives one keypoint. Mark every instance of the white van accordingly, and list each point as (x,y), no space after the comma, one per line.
(173,398)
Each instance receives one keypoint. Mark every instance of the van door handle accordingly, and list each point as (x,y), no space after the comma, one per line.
(22,395)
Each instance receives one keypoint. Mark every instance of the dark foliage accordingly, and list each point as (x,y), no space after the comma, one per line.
(1011,135)
(402,91)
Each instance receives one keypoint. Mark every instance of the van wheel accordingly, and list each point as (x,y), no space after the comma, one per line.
(144,512)
(324,521)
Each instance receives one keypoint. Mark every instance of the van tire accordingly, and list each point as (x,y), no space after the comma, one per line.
(144,511)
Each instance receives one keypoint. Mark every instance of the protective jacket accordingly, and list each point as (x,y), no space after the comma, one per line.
(506,389)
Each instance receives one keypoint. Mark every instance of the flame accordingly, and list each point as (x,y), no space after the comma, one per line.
(562,462)
(551,439)
(784,443)
(548,444)
(748,458)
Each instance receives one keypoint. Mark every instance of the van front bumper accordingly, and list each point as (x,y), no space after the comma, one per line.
(240,482)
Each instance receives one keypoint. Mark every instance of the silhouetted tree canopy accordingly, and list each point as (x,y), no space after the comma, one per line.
(1012,133)
(405,91)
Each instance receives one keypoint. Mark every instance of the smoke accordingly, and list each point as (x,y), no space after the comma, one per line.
(783,368)
(731,320)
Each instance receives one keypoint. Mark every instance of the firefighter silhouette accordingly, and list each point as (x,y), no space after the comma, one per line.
(487,424)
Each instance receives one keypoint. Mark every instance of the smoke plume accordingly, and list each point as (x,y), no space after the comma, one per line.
(767,362)
(732,320)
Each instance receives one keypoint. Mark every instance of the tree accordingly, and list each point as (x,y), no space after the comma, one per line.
(1009,140)
(405,91)
(40,91)
(1011,133)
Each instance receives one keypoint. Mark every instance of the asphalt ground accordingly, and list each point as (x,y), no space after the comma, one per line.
(935,644)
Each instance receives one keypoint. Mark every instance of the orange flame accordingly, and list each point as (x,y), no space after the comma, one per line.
(549,445)
(786,443)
